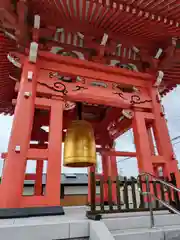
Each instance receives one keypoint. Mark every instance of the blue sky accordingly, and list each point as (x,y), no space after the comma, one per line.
(124,143)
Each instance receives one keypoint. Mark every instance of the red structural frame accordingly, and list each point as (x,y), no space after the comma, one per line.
(146,114)
(136,33)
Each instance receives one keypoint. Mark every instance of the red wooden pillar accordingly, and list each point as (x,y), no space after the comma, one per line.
(143,147)
(112,172)
(141,138)
(163,140)
(15,164)
(152,148)
(38,179)
(54,154)
(109,167)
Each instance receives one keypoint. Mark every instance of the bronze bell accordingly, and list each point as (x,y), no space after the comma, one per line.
(79,145)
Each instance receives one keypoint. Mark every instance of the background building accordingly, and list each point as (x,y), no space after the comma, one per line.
(74,189)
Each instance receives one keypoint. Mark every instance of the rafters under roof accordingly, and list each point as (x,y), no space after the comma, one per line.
(108,16)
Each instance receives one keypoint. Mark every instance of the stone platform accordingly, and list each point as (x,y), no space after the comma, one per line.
(75,225)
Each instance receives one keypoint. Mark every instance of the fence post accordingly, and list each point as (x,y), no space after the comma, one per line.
(148,190)
(118,193)
(126,197)
(169,192)
(133,188)
(142,202)
(156,194)
(93,191)
(102,192)
(175,193)
(110,194)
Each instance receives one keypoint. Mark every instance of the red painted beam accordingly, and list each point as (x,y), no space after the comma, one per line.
(122,127)
(116,153)
(112,114)
(6,13)
(30,176)
(86,65)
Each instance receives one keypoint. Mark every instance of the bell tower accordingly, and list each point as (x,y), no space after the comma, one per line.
(89,87)
(40,88)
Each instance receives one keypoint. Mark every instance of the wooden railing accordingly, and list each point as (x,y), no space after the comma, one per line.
(128,198)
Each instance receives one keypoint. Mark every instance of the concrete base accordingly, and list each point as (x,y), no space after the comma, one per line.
(167,227)
(30,212)
(75,225)
(172,234)
(139,234)
(99,231)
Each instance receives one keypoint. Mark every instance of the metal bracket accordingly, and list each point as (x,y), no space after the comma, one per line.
(37,21)
(27,94)
(33,52)
(30,75)
(159,79)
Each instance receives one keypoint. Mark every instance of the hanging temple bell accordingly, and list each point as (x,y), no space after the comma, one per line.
(79,145)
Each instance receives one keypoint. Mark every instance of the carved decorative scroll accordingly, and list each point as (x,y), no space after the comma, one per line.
(56,87)
(136,99)
(85,89)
